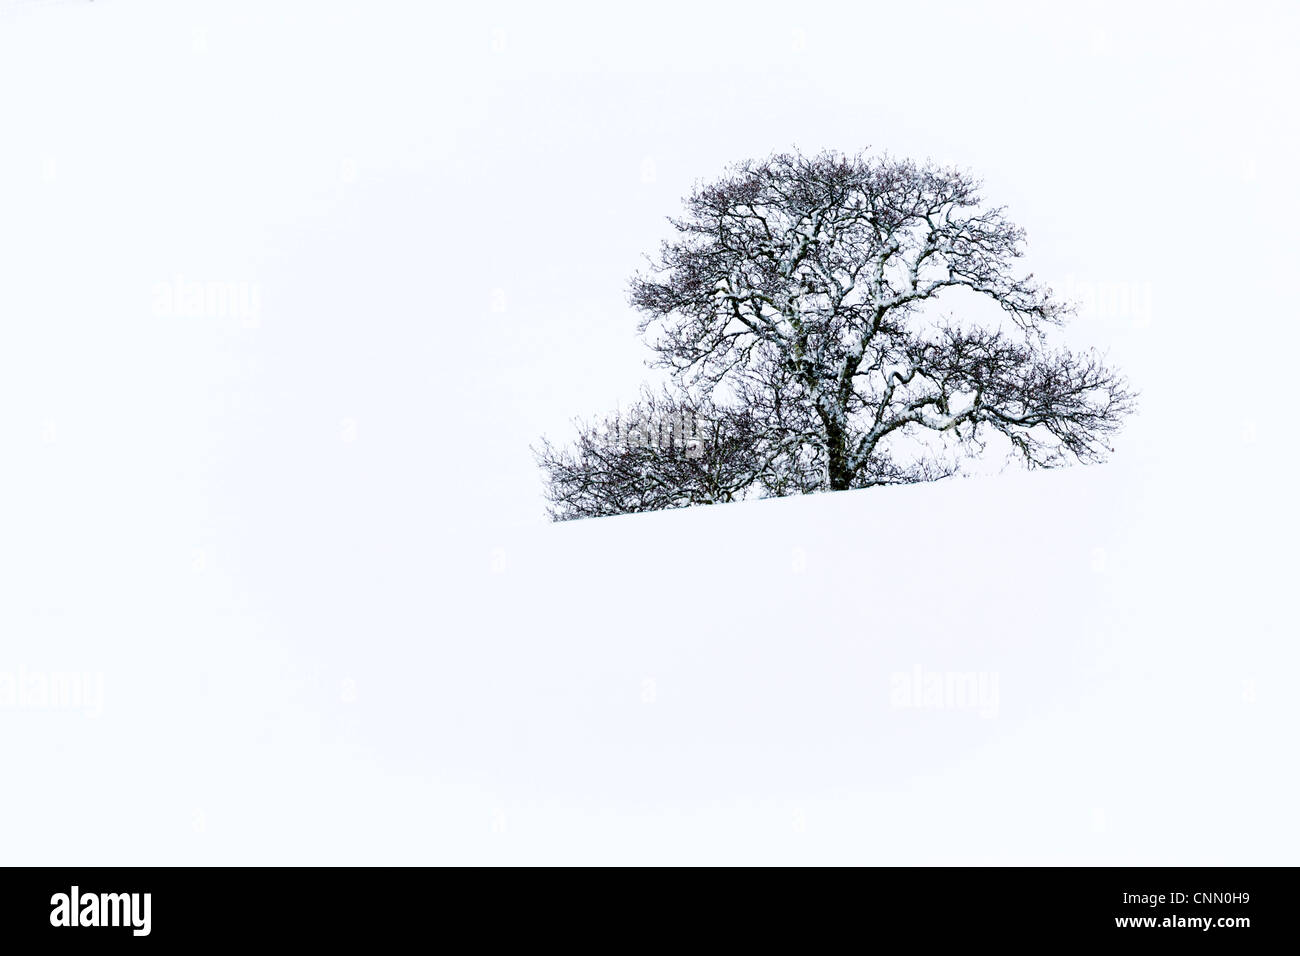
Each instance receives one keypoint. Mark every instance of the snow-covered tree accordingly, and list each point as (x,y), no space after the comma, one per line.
(811,283)
(664,451)
(796,309)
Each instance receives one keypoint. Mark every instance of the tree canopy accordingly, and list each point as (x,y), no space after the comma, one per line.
(799,299)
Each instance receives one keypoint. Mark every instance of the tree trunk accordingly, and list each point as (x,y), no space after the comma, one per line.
(837,459)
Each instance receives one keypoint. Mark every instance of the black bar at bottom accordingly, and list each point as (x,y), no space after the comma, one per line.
(362,906)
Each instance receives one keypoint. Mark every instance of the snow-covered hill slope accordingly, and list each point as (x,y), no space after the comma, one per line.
(1026,668)
(1022,668)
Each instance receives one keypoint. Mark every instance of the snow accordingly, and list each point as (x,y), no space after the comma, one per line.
(307,555)
(730,684)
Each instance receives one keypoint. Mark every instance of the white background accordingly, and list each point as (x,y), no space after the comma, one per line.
(306,551)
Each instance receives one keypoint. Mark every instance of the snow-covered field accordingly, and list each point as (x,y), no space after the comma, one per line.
(287,290)
(1030,668)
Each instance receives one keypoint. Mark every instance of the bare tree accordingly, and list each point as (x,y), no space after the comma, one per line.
(795,310)
(802,286)
(665,451)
